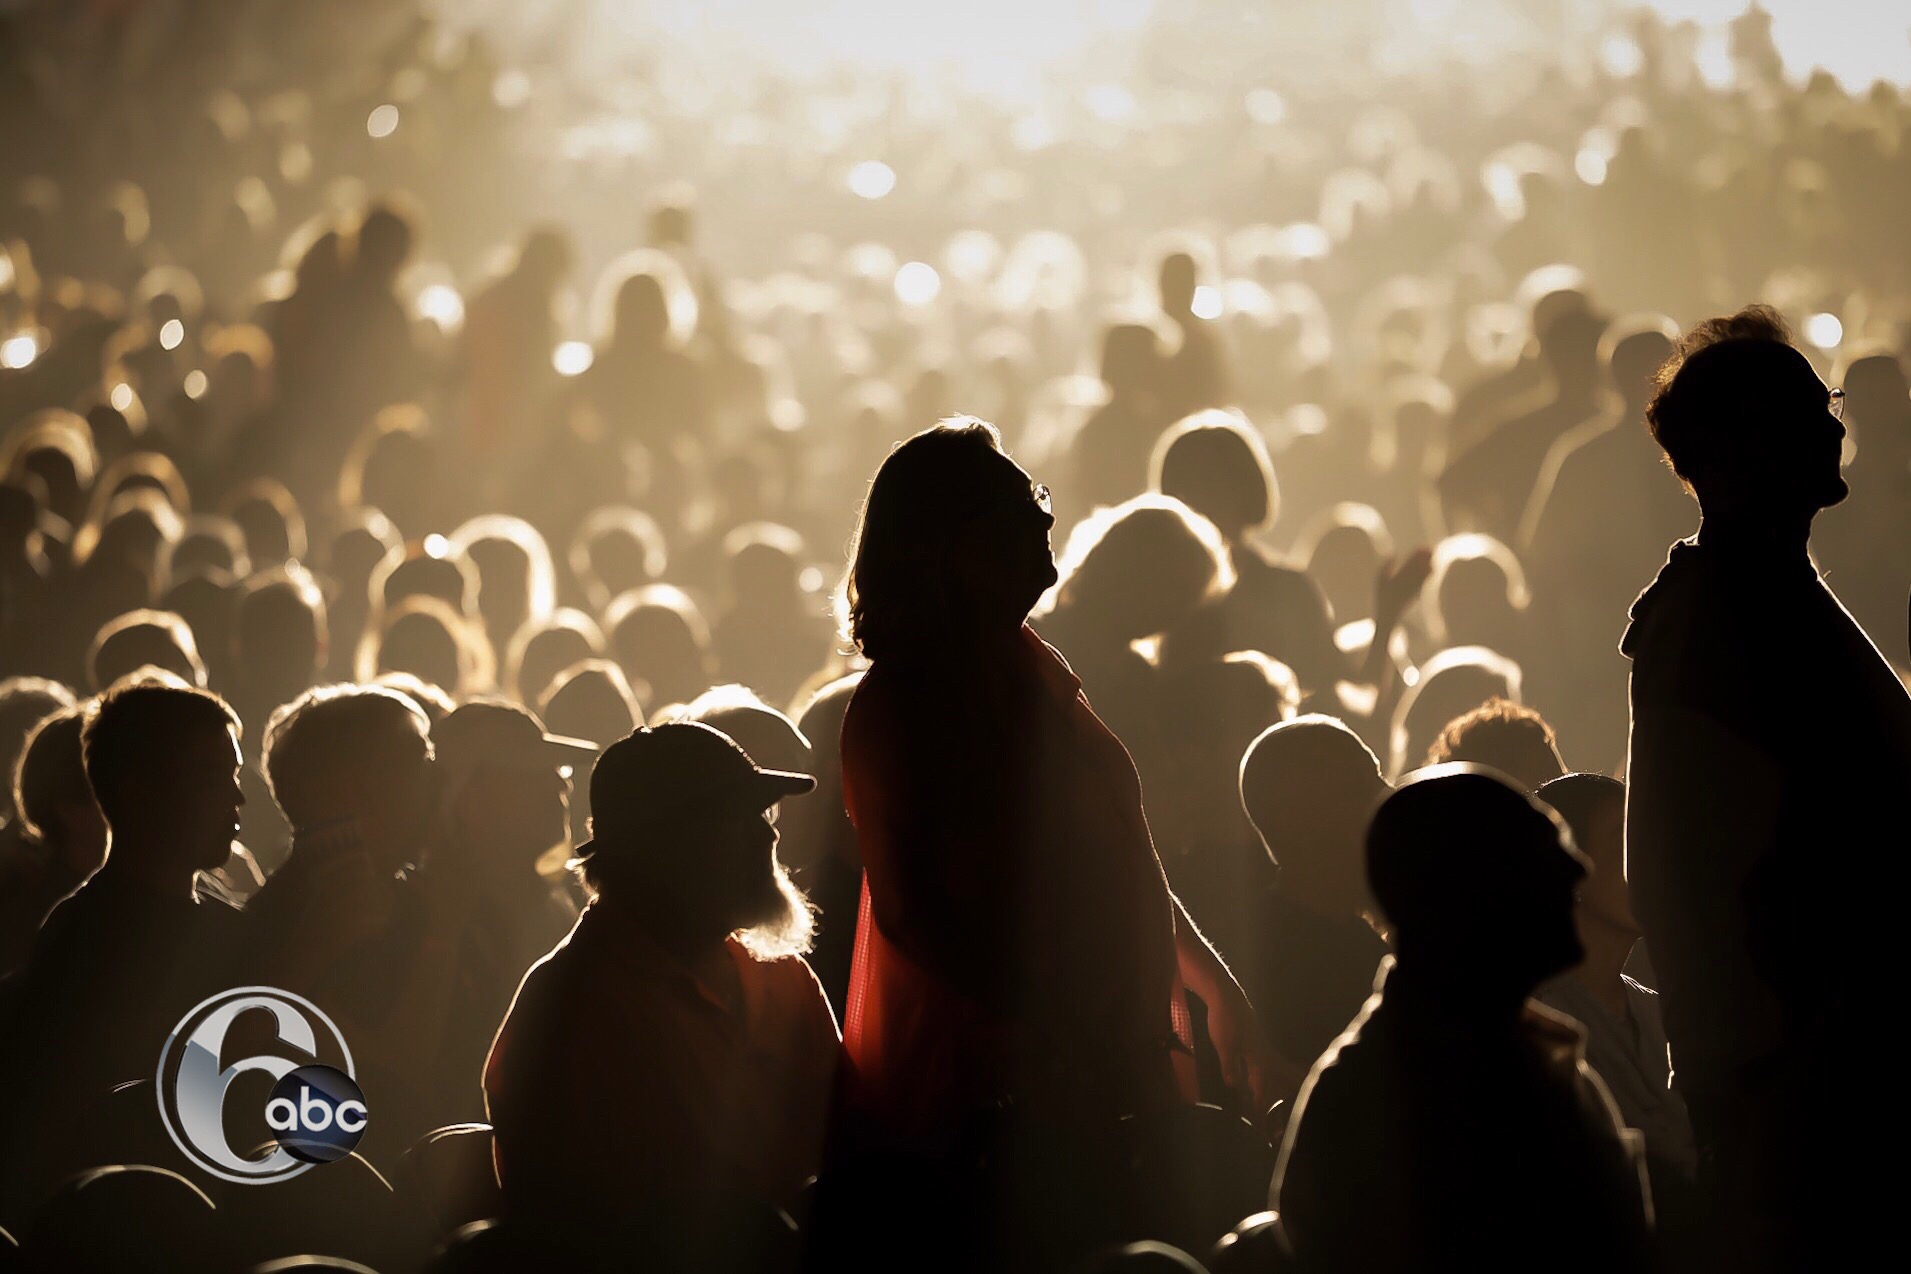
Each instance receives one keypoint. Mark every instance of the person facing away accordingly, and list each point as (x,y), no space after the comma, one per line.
(58,839)
(1625,1033)
(1195,376)
(1109,453)
(507,790)
(1506,736)
(1753,818)
(348,920)
(1018,938)
(1309,786)
(1456,1124)
(1218,466)
(675,1043)
(122,960)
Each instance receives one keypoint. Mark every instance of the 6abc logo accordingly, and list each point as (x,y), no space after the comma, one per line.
(313,1114)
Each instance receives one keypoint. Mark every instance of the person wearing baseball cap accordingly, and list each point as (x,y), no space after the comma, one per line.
(676,1040)
(507,787)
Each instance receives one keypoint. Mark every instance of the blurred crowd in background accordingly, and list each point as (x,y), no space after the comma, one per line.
(361,343)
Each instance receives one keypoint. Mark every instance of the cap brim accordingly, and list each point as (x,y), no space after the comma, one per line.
(777,784)
(565,750)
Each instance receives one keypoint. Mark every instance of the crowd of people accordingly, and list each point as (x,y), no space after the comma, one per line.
(1194,679)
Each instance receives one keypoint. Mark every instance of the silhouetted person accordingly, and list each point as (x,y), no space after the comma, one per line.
(1625,1032)
(1456,1124)
(1310,786)
(1110,451)
(660,637)
(644,384)
(1128,573)
(1855,540)
(1487,485)
(675,1042)
(121,961)
(1600,517)
(509,334)
(819,842)
(348,920)
(1504,736)
(1195,375)
(1751,815)
(507,786)
(1218,466)
(1018,938)
(776,632)
(141,639)
(57,839)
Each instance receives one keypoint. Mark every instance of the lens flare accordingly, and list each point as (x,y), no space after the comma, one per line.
(573,358)
(1825,330)
(917,283)
(871,179)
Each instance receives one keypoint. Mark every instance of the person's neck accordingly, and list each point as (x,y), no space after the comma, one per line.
(1458,993)
(1608,947)
(146,868)
(680,929)
(1766,532)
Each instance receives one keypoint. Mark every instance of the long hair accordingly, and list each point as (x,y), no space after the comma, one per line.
(900,585)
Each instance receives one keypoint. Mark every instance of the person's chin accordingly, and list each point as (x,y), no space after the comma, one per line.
(1835,492)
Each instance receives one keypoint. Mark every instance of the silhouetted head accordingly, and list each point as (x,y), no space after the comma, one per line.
(279,633)
(643,312)
(660,637)
(1141,567)
(24,703)
(1476,594)
(1594,809)
(1217,465)
(541,649)
(1633,350)
(1343,548)
(591,699)
(1878,404)
(1745,422)
(105,1219)
(516,579)
(55,803)
(1147,1257)
(359,752)
(1453,682)
(766,564)
(1177,280)
(819,828)
(1130,357)
(1310,786)
(383,243)
(141,639)
(616,549)
(1569,342)
(507,782)
(681,813)
(427,638)
(164,764)
(1476,881)
(270,517)
(545,258)
(1504,736)
(208,542)
(952,545)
